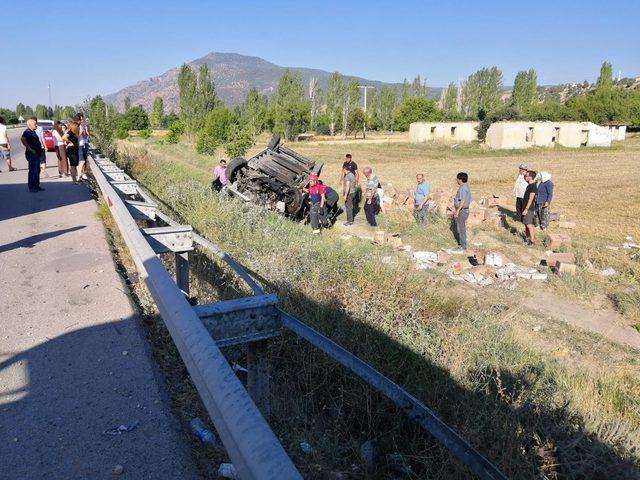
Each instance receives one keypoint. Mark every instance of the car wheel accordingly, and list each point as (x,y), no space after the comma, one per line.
(293,202)
(234,167)
(273,144)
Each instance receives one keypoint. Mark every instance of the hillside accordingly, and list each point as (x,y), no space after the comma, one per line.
(233,75)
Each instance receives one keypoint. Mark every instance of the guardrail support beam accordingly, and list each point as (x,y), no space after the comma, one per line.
(182,272)
(258,378)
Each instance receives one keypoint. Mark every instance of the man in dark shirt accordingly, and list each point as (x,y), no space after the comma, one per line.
(529,207)
(33,151)
(352,167)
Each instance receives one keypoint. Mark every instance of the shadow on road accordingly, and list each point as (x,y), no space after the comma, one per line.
(31,241)
(17,201)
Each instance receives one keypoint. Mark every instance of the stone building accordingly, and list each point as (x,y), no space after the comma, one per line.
(618,131)
(510,135)
(446,132)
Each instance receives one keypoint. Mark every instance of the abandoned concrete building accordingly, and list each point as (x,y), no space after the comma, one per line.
(618,131)
(509,135)
(446,132)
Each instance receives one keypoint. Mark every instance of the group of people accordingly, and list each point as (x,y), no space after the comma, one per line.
(71,144)
(534,192)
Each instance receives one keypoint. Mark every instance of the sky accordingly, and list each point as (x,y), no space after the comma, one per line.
(98,47)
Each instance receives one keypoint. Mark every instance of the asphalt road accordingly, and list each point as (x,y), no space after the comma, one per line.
(74,362)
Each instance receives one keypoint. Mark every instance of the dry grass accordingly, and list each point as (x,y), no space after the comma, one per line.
(529,402)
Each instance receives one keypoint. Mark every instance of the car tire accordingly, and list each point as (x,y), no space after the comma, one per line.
(273,144)
(234,167)
(294,202)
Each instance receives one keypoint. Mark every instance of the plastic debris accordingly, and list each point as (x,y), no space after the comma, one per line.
(613,247)
(486,282)
(236,367)
(206,435)
(122,429)
(608,272)
(227,470)
(306,448)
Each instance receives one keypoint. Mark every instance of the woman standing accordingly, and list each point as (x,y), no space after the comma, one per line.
(72,141)
(61,150)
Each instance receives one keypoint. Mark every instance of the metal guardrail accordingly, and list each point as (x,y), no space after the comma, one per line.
(253,448)
(415,409)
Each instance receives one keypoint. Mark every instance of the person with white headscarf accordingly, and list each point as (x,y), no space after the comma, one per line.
(543,199)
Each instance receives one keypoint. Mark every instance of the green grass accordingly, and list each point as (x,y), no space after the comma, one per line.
(467,358)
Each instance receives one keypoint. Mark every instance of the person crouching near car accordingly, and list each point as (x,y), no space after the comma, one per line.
(316,191)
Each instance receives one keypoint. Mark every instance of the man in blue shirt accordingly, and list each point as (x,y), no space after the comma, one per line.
(422,199)
(461,208)
(33,151)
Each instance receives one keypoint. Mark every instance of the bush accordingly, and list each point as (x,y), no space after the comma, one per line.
(206,144)
(121,132)
(146,133)
(134,119)
(217,125)
(172,137)
(239,141)
(177,127)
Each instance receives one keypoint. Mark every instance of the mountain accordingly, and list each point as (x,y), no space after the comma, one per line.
(233,75)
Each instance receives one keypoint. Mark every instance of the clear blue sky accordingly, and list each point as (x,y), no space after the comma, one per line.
(90,47)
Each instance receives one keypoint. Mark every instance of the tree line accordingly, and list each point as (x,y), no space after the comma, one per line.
(57,112)
(295,108)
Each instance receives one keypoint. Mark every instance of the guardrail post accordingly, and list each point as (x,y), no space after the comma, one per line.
(182,272)
(258,382)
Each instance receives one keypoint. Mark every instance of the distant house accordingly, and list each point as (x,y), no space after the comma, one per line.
(510,135)
(618,131)
(446,132)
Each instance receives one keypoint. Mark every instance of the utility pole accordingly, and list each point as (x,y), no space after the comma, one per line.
(50,102)
(364,127)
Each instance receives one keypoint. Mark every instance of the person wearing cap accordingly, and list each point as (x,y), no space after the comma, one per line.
(519,189)
(543,198)
(316,192)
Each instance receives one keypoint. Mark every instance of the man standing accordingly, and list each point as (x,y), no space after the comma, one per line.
(543,199)
(349,192)
(352,166)
(5,146)
(518,190)
(316,191)
(529,210)
(371,196)
(220,176)
(461,208)
(422,199)
(33,152)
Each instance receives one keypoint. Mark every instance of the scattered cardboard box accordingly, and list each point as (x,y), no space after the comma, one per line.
(566,269)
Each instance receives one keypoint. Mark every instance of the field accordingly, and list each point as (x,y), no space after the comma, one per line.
(520,373)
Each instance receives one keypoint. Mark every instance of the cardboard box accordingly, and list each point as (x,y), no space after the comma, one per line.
(566,269)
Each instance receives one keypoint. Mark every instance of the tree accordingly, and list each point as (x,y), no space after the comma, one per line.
(335,94)
(157,112)
(239,141)
(482,93)
(416,109)
(135,118)
(357,121)
(504,113)
(41,112)
(215,131)
(102,123)
(605,80)
(291,109)
(449,102)
(405,90)
(187,85)
(419,88)
(126,104)
(315,96)
(206,98)
(253,111)
(385,106)
(350,101)
(525,90)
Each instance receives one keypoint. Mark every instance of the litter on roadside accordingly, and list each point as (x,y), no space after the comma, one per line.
(121,429)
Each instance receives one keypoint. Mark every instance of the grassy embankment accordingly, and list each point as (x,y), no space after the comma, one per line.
(535,405)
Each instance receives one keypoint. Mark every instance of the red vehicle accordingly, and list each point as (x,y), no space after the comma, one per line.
(47,128)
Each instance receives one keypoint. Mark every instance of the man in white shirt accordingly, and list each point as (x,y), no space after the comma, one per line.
(5,146)
(519,189)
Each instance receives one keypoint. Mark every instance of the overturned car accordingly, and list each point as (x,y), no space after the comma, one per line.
(274,178)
